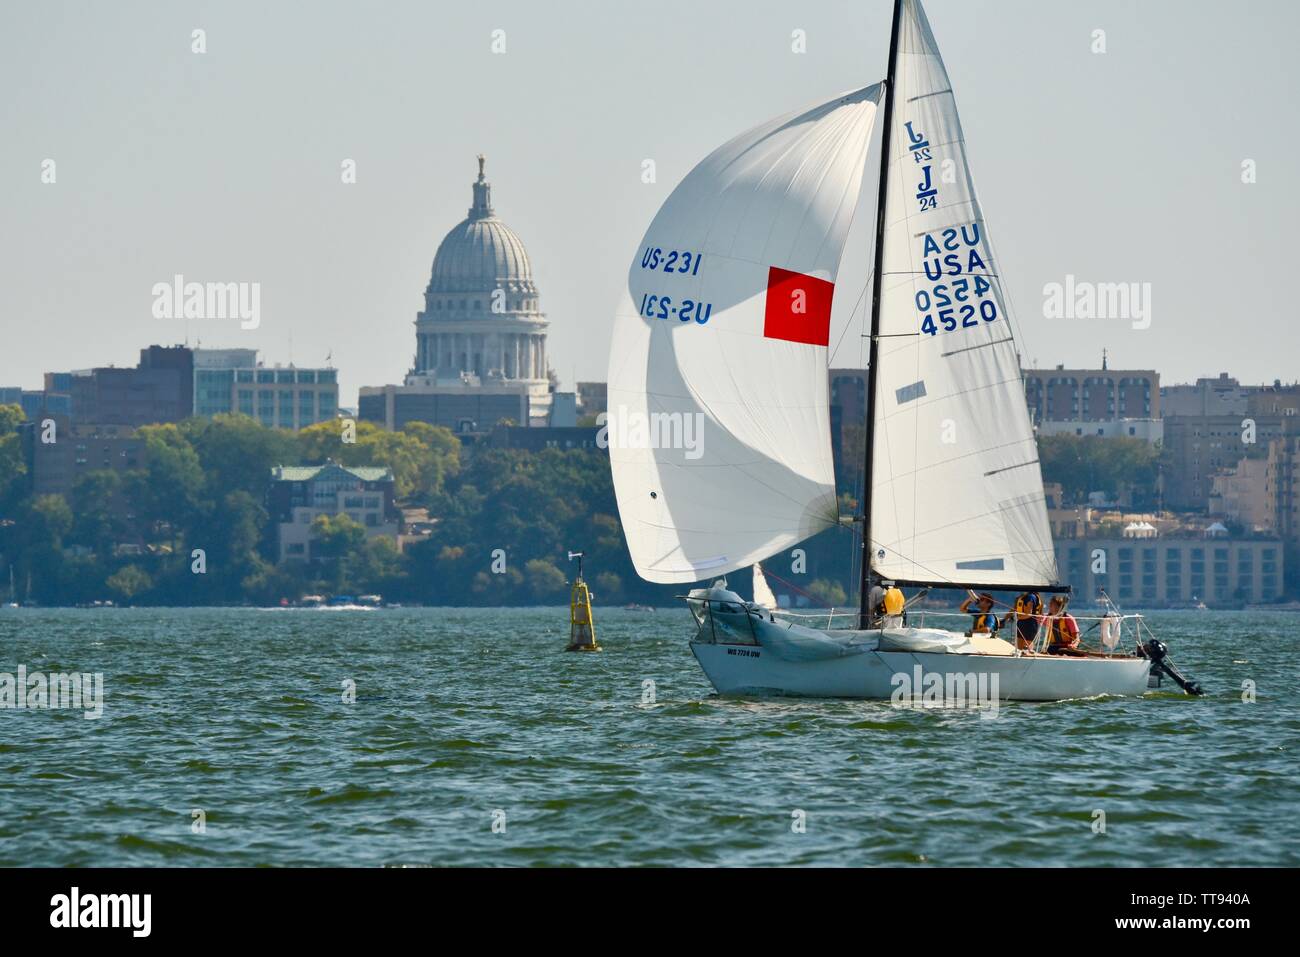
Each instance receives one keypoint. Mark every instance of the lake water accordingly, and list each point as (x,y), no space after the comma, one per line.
(466,717)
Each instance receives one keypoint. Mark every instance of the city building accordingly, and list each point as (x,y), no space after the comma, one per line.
(537,439)
(1281,468)
(159,389)
(54,467)
(1240,495)
(480,341)
(1104,402)
(1211,427)
(233,381)
(564,410)
(1147,572)
(298,494)
(1222,395)
(1197,447)
(36,403)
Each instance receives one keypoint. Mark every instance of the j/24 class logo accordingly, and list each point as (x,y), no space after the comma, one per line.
(927,194)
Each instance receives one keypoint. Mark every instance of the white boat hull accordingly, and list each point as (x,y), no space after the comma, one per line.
(738,669)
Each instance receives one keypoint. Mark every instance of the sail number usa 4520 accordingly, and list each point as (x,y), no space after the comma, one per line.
(958,298)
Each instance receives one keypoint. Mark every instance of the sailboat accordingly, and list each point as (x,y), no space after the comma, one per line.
(719,431)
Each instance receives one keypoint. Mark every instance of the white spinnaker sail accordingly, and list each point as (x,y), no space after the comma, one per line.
(763,596)
(718,412)
(957,493)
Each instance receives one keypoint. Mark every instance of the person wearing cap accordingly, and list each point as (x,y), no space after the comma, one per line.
(984,622)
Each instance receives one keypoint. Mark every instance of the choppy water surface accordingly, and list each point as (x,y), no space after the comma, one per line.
(463,713)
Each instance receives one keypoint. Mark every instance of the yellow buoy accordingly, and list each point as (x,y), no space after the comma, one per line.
(582,630)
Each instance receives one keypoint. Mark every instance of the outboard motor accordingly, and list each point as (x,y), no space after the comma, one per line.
(1158,652)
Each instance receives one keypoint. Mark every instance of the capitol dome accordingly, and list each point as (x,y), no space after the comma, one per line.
(482,324)
(481,253)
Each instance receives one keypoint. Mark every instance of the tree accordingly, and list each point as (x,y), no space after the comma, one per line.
(1091,463)
(544,579)
(11,416)
(46,520)
(237,453)
(421,455)
(13,469)
(168,489)
(95,523)
(829,593)
(609,588)
(339,540)
(129,581)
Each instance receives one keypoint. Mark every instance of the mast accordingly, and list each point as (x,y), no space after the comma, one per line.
(864,611)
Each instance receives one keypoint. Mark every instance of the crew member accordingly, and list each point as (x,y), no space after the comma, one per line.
(1025,614)
(893,603)
(984,622)
(1062,629)
(875,605)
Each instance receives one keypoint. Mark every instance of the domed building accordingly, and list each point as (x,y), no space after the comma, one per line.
(480,353)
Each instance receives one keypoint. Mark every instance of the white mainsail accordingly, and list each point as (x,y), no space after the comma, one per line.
(957,493)
(718,421)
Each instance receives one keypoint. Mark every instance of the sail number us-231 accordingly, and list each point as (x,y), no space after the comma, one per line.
(678,262)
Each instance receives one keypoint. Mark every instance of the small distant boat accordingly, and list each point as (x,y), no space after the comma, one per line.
(11,603)
(633,606)
(370,601)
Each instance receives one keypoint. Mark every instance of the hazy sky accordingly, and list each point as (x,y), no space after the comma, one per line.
(225,166)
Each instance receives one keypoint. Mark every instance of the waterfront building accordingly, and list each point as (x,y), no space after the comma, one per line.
(298,494)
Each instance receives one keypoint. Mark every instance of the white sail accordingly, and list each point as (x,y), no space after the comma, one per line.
(718,421)
(763,596)
(957,493)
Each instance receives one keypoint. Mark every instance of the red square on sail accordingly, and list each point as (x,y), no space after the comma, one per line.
(798,307)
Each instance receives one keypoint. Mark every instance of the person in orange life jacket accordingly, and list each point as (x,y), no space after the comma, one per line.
(892,605)
(984,622)
(1025,614)
(1062,629)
